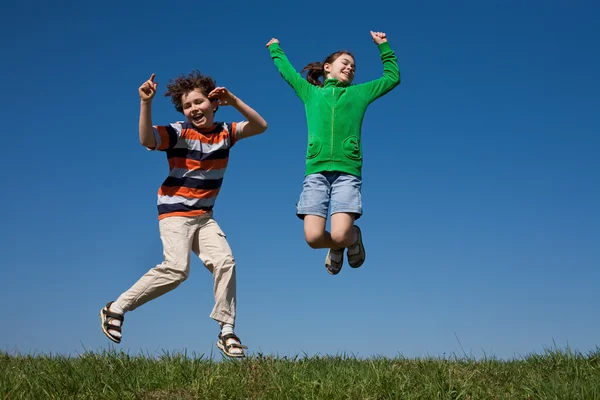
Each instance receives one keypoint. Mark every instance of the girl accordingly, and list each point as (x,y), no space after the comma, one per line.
(335,110)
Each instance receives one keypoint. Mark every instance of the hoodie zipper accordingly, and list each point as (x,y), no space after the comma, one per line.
(332,130)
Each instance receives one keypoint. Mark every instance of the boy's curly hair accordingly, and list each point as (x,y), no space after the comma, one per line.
(183,84)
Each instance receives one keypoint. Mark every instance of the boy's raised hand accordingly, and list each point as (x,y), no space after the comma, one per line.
(378,37)
(271,42)
(148,89)
(224,96)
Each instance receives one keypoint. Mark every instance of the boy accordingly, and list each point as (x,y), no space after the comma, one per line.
(197,150)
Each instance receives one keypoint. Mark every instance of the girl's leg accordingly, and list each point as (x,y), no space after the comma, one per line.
(343,233)
(315,233)
(347,235)
(318,238)
(341,236)
(346,207)
(313,207)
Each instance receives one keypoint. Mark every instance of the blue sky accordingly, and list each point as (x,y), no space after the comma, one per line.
(481,178)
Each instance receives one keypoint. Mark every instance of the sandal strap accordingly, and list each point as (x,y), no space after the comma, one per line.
(111,327)
(110,314)
(225,338)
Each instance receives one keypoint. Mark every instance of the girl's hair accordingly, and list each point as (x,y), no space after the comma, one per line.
(184,84)
(315,70)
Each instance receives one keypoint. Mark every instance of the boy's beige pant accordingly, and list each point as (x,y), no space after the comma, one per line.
(179,235)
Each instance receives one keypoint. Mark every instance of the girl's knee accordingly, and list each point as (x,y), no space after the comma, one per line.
(342,237)
(314,230)
(314,237)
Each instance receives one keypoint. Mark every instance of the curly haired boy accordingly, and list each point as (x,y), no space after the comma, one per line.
(197,150)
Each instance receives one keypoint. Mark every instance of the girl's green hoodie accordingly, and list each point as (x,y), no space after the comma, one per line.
(335,112)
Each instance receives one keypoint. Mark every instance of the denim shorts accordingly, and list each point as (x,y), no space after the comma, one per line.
(330,191)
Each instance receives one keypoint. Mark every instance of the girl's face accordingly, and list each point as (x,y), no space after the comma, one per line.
(342,69)
(198,109)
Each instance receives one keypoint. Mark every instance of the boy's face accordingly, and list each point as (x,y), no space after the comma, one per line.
(198,109)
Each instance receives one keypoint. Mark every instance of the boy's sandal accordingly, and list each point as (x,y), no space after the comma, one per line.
(106,316)
(225,348)
(356,252)
(334,267)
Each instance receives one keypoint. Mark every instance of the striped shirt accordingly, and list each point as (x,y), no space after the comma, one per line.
(197,164)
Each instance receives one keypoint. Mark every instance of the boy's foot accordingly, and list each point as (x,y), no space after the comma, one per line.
(356,252)
(334,261)
(111,323)
(231,345)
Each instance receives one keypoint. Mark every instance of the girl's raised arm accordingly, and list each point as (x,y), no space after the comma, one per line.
(288,72)
(391,73)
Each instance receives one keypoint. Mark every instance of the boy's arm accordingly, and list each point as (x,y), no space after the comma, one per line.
(287,70)
(154,137)
(147,138)
(147,92)
(254,124)
(391,73)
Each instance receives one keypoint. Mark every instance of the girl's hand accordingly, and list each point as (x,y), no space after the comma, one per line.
(378,37)
(148,89)
(225,97)
(271,42)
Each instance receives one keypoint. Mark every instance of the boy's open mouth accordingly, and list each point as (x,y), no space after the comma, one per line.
(197,117)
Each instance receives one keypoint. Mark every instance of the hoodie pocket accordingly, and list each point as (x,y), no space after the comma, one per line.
(314,147)
(351,147)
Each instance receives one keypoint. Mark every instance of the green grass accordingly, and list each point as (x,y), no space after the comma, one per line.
(555,374)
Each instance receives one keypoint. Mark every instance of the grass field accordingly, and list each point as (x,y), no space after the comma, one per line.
(555,374)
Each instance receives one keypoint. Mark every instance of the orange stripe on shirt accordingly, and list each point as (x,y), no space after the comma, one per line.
(188,192)
(208,138)
(164,137)
(205,165)
(192,213)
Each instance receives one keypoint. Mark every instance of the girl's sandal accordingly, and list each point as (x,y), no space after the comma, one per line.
(225,348)
(334,267)
(106,316)
(356,252)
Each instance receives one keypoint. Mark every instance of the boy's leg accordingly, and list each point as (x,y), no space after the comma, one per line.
(346,207)
(176,234)
(210,244)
